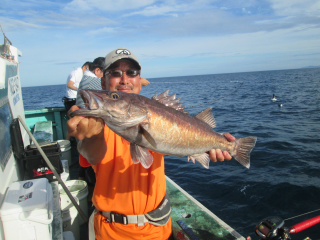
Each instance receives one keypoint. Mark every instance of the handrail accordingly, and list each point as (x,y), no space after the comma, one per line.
(6,48)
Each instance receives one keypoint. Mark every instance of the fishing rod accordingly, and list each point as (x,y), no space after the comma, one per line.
(272,228)
(217,98)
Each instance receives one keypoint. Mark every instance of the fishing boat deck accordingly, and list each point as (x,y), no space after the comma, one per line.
(193,219)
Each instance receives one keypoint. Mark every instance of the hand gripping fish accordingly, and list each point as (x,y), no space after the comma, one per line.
(162,125)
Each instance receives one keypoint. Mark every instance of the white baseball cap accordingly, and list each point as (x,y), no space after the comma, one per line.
(118,54)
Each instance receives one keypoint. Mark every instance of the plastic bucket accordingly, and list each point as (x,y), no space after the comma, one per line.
(65,175)
(70,217)
(79,189)
(65,147)
(65,166)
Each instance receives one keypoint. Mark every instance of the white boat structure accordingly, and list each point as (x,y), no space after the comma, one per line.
(190,219)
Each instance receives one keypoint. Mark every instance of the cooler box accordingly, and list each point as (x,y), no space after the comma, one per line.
(27,210)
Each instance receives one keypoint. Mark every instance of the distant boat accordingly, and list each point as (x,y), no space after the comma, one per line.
(273,98)
(233,81)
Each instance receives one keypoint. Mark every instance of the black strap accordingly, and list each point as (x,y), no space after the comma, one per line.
(118,218)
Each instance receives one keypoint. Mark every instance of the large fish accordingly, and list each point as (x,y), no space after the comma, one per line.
(162,125)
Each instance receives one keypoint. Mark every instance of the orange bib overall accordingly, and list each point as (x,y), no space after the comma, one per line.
(127,188)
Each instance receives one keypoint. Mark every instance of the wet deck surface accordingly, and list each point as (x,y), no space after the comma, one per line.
(196,221)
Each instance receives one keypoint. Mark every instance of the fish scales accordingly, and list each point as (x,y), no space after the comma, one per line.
(160,124)
(181,133)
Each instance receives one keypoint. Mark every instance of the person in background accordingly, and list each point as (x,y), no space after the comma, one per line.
(125,194)
(73,81)
(91,78)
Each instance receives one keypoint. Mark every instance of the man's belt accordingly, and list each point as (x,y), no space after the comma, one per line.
(65,99)
(158,217)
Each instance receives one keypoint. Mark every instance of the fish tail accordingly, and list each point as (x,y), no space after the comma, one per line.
(244,147)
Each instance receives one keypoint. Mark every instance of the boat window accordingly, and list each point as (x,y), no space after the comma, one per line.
(5,139)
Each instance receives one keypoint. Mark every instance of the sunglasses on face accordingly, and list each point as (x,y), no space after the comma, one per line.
(119,73)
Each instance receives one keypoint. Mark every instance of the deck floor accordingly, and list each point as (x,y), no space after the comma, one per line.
(196,220)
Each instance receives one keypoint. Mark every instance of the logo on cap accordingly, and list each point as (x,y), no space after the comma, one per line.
(123,51)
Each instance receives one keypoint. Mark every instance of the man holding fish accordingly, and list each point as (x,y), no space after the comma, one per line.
(124,137)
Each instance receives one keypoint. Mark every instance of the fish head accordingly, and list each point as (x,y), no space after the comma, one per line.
(118,110)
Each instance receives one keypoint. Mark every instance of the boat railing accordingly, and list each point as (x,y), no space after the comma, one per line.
(57,115)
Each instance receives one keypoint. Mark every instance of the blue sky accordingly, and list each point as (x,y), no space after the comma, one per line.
(170,37)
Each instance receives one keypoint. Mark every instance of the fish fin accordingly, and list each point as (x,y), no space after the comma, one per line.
(203,159)
(141,154)
(162,95)
(244,147)
(169,101)
(192,159)
(147,136)
(133,154)
(125,141)
(207,116)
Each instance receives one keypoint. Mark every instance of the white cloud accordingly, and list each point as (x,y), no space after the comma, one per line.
(296,7)
(246,11)
(172,8)
(279,41)
(11,25)
(239,52)
(78,5)
(54,20)
(101,31)
(274,21)
(106,5)
(160,10)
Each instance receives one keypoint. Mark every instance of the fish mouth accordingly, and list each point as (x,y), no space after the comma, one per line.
(93,102)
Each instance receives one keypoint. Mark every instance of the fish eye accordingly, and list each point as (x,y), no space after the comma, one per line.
(114,95)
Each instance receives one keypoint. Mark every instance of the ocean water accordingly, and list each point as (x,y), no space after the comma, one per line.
(284,177)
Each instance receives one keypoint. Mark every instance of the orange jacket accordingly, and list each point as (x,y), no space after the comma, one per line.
(127,188)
